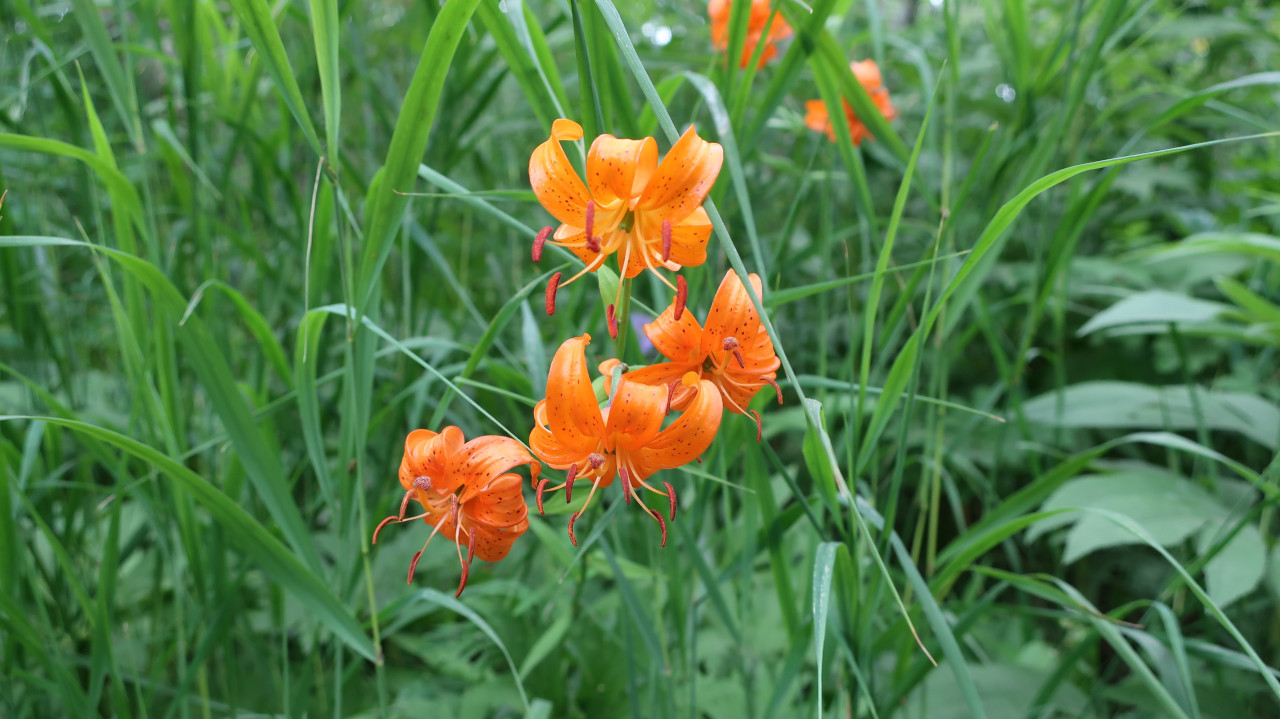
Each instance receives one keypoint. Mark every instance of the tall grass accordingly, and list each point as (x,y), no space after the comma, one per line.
(1027,461)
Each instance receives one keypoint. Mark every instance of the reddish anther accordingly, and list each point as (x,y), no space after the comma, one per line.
(588,226)
(612,318)
(671,497)
(661,523)
(552,285)
(382,524)
(593,244)
(626,484)
(413,565)
(471,545)
(538,243)
(537,494)
(462,583)
(759,424)
(573,518)
(568,483)
(666,240)
(682,296)
(671,393)
(776,388)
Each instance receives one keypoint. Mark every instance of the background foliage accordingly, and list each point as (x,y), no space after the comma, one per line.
(1031,412)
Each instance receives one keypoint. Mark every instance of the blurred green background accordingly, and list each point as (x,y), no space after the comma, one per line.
(1026,467)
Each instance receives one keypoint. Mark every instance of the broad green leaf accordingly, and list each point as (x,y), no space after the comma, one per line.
(1238,568)
(1153,306)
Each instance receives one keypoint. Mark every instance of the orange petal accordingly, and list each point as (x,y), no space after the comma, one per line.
(619,169)
(732,314)
(554,180)
(427,456)
(687,437)
(683,179)
(636,414)
(494,543)
(678,341)
(572,413)
(661,374)
(553,450)
(868,74)
(817,118)
(499,504)
(482,459)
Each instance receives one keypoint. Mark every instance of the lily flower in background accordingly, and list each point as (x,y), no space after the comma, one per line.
(868,74)
(625,438)
(778,30)
(733,351)
(647,213)
(467,493)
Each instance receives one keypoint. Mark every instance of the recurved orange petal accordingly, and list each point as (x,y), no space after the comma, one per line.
(618,170)
(494,543)
(683,179)
(499,504)
(426,454)
(548,448)
(687,437)
(572,413)
(732,314)
(636,414)
(482,459)
(817,118)
(554,179)
(677,340)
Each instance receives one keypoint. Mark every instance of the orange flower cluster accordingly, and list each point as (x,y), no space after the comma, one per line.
(778,29)
(868,75)
(651,216)
(467,493)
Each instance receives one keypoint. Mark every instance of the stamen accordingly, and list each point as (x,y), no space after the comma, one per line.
(413,565)
(568,483)
(612,319)
(382,524)
(537,494)
(731,345)
(552,285)
(539,241)
(682,296)
(776,388)
(671,496)
(759,424)
(593,244)
(590,222)
(626,484)
(671,393)
(573,518)
(471,545)
(462,583)
(661,523)
(666,240)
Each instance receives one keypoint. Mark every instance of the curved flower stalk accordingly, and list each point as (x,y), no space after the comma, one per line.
(733,351)
(466,491)
(868,75)
(625,438)
(647,213)
(718,11)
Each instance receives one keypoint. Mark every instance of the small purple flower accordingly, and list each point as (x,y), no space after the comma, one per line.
(638,321)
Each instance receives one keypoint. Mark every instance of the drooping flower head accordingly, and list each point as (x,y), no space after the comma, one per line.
(868,75)
(648,214)
(733,351)
(467,493)
(625,438)
(778,30)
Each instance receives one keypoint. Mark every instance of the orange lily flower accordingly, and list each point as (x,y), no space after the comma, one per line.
(718,11)
(868,75)
(733,351)
(466,491)
(624,439)
(647,213)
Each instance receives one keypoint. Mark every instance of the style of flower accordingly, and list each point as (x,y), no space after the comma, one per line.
(733,351)
(647,213)
(625,438)
(868,75)
(467,493)
(778,29)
